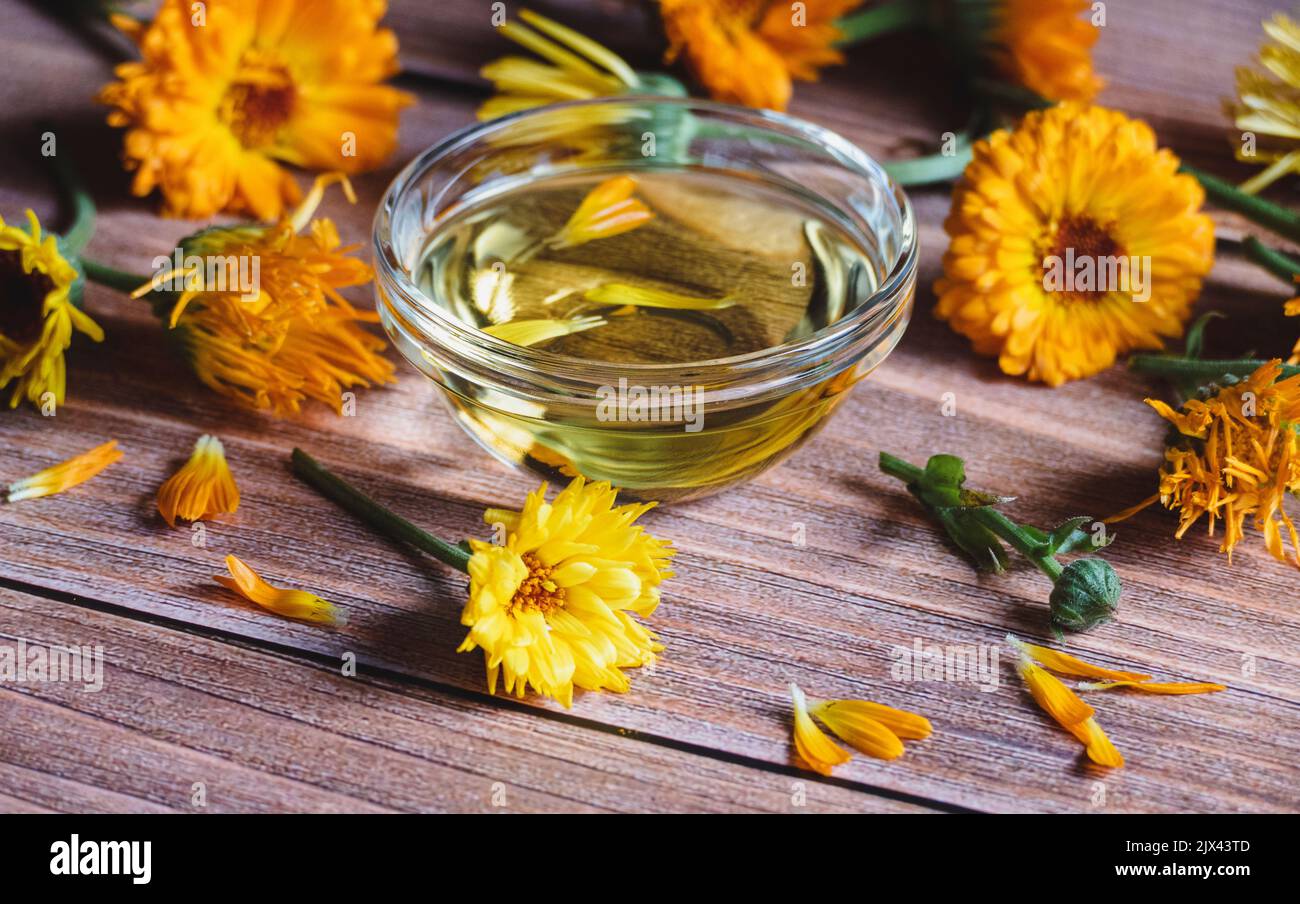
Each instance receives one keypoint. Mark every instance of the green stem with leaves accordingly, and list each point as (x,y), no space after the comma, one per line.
(883,19)
(1278,219)
(386,521)
(1280,265)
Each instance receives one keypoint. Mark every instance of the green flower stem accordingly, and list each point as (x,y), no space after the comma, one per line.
(113,278)
(382,519)
(1280,265)
(1257,210)
(881,20)
(1020,539)
(931,168)
(1200,370)
(79,233)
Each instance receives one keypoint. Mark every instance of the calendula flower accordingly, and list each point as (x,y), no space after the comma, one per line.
(296,604)
(293,336)
(553,608)
(227,91)
(1042,45)
(532,332)
(37,314)
(609,209)
(1235,457)
(1268,105)
(1172,688)
(747,51)
(202,488)
(576,68)
(1070,712)
(1074,239)
(644,297)
(872,728)
(65,475)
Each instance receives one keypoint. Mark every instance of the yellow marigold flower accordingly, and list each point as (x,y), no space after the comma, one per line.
(1066,664)
(1157,687)
(226,91)
(1072,188)
(37,315)
(1044,45)
(553,607)
(747,51)
(816,751)
(872,728)
(608,210)
(531,332)
(298,338)
(65,475)
(296,604)
(577,68)
(1268,105)
(1236,457)
(202,488)
(1070,712)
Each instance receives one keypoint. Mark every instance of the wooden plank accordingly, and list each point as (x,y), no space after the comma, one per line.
(265,731)
(750,610)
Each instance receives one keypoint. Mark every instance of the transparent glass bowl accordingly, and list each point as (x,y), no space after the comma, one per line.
(543,410)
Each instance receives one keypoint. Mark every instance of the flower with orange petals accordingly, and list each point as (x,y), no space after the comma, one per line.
(227,91)
(747,51)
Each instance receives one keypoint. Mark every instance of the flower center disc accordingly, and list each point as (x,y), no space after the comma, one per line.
(258,101)
(538,592)
(22,299)
(1082,238)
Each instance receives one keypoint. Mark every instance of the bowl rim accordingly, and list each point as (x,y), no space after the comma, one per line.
(437,324)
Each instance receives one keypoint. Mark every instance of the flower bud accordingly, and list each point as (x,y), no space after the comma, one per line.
(1086,595)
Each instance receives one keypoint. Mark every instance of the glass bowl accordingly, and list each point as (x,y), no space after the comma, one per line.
(552,413)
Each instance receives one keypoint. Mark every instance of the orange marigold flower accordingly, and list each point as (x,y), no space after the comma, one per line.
(747,51)
(296,604)
(1074,239)
(1235,457)
(298,338)
(1045,46)
(202,488)
(65,475)
(226,91)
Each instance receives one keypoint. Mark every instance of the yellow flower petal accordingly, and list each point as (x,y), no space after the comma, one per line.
(642,297)
(1098,747)
(531,332)
(296,604)
(202,488)
(1057,700)
(608,210)
(1065,664)
(1157,687)
(63,476)
(858,730)
(902,723)
(816,751)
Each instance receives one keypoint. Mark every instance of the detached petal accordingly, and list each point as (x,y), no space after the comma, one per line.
(817,751)
(1066,664)
(904,724)
(1157,687)
(202,488)
(1057,700)
(297,604)
(1098,747)
(65,475)
(862,732)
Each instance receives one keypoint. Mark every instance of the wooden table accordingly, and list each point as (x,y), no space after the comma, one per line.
(203,688)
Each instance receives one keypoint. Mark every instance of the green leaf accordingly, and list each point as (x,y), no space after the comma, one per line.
(1196,333)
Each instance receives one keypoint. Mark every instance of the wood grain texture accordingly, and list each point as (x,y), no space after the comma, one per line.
(749,611)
